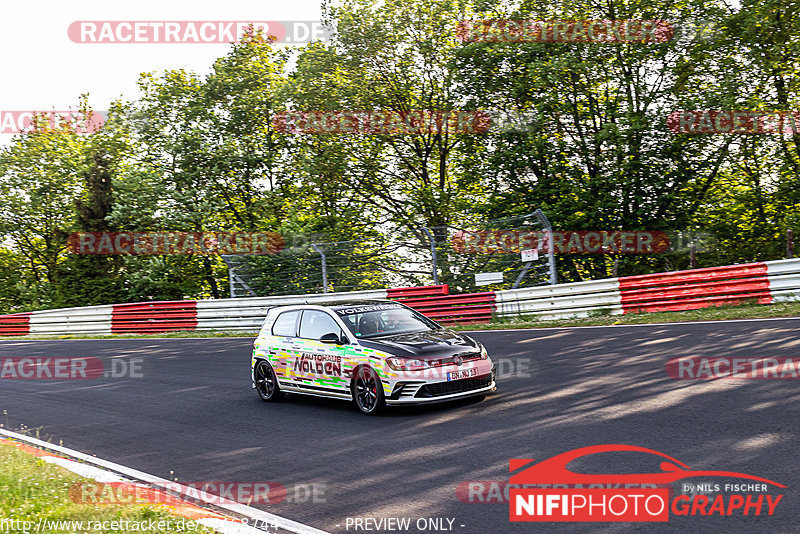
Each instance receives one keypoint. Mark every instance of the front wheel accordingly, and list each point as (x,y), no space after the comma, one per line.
(368,391)
(266,382)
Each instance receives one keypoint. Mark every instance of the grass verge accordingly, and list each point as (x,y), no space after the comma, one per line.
(34,493)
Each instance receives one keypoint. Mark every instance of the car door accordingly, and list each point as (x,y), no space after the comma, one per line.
(318,365)
(283,344)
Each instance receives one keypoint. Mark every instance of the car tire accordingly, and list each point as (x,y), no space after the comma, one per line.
(368,391)
(266,382)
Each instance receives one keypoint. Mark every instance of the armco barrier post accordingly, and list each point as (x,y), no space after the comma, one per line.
(324,268)
(433,256)
(551,252)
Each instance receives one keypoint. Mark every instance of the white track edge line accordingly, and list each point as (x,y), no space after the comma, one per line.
(242,509)
(533,329)
(721,321)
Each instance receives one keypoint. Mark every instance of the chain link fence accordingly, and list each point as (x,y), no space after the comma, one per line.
(463,257)
(485,256)
(493,255)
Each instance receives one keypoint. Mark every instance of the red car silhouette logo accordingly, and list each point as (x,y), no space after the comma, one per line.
(554,470)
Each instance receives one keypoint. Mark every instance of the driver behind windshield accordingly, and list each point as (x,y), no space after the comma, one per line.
(391,322)
(369,323)
(398,320)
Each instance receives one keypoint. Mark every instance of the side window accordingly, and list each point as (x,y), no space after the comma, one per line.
(350,322)
(286,324)
(316,324)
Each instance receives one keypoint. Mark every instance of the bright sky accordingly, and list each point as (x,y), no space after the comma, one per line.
(45,70)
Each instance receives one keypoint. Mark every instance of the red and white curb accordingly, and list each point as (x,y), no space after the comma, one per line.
(108,472)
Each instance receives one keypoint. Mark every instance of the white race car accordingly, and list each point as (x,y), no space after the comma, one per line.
(373,352)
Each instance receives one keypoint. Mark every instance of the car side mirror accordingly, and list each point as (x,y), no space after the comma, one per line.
(331,338)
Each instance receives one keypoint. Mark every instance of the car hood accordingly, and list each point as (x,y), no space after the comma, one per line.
(428,345)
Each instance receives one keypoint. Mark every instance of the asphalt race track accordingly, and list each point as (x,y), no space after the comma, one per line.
(194,417)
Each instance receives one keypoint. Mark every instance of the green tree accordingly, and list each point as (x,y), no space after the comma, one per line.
(596,152)
(93,279)
(40,182)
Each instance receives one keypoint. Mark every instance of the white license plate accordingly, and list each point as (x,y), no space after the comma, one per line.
(466,373)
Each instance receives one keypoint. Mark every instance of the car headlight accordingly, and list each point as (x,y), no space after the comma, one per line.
(405,364)
(484,352)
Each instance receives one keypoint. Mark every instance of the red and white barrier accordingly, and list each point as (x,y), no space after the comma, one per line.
(695,289)
(15,324)
(437,303)
(764,283)
(154,317)
(85,320)
(248,313)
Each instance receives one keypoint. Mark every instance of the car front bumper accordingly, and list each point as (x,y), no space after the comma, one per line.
(417,388)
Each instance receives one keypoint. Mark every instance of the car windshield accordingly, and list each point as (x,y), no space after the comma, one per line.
(381,320)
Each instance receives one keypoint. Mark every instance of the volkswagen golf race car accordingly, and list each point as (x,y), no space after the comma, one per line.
(371,352)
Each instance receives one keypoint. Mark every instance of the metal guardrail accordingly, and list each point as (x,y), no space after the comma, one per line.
(434,302)
(578,299)
(784,280)
(154,317)
(773,281)
(16,324)
(764,282)
(695,289)
(247,314)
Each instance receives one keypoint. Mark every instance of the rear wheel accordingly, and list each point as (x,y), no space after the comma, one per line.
(266,382)
(368,391)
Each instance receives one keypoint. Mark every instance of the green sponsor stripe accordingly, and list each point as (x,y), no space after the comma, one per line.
(336,382)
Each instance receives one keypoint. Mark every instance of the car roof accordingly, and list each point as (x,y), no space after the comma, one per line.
(338,305)
(352,303)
